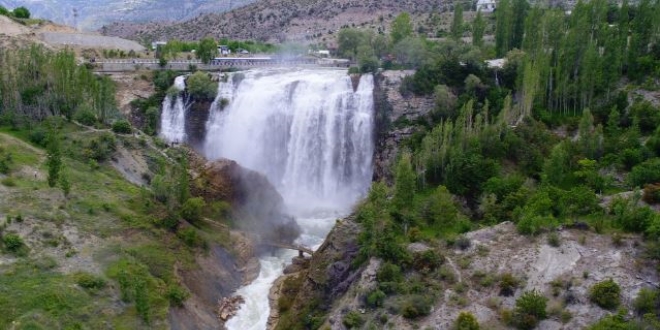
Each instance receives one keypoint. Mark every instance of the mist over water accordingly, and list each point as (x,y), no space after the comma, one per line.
(173,116)
(311,134)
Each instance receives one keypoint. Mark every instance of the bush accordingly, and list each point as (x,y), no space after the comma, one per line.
(89,281)
(352,320)
(554,240)
(466,321)
(530,310)
(389,273)
(177,295)
(652,193)
(415,306)
(21,12)
(190,237)
(508,284)
(646,172)
(605,294)
(192,209)
(14,244)
(376,298)
(646,301)
(201,87)
(122,127)
(85,117)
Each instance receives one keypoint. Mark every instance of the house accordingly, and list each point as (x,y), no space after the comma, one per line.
(224,50)
(156,44)
(320,53)
(486,6)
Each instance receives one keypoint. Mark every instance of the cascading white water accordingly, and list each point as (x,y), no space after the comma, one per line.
(311,134)
(306,130)
(172,118)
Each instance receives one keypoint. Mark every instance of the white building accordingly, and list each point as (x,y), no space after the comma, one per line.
(486,6)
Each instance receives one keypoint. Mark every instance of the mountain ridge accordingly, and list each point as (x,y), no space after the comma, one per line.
(283,20)
(91,15)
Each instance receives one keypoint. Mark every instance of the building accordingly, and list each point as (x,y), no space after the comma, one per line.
(486,6)
(224,50)
(156,44)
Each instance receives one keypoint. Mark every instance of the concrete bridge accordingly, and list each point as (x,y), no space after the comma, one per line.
(218,64)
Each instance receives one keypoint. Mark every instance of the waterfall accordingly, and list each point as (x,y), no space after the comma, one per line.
(172,118)
(308,131)
(311,134)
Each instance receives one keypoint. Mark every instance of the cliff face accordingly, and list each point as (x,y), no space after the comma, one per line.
(255,201)
(395,117)
(312,291)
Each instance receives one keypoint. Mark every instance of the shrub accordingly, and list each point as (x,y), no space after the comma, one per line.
(466,321)
(8,182)
(530,310)
(646,172)
(14,244)
(427,261)
(192,209)
(553,240)
(352,320)
(463,242)
(122,127)
(389,273)
(376,298)
(21,12)
(201,87)
(605,294)
(177,295)
(89,281)
(652,193)
(415,306)
(191,238)
(646,301)
(85,117)
(508,284)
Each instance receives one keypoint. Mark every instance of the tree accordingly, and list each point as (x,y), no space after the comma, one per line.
(65,184)
(349,40)
(401,28)
(207,50)
(456,30)
(503,27)
(21,12)
(478,28)
(53,158)
(3,11)
(201,87)
(404,182)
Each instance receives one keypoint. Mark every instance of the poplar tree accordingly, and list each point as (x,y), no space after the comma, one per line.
(456,30)
(478,28)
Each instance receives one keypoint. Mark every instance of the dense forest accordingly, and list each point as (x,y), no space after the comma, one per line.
(538,141)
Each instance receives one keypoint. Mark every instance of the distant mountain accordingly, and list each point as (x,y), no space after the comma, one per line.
(288,20)
(92,14)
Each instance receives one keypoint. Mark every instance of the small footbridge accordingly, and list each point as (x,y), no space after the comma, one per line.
(301,249)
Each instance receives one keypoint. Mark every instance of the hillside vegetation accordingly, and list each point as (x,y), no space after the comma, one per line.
(563,136)
(81,246)
(290,20)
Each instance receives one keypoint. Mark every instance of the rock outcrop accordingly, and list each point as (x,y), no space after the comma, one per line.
(258,207)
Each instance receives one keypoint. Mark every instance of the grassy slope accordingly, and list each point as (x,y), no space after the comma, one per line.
(39,288)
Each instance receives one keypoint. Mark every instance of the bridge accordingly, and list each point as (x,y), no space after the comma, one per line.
(301,249)
(217,64)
